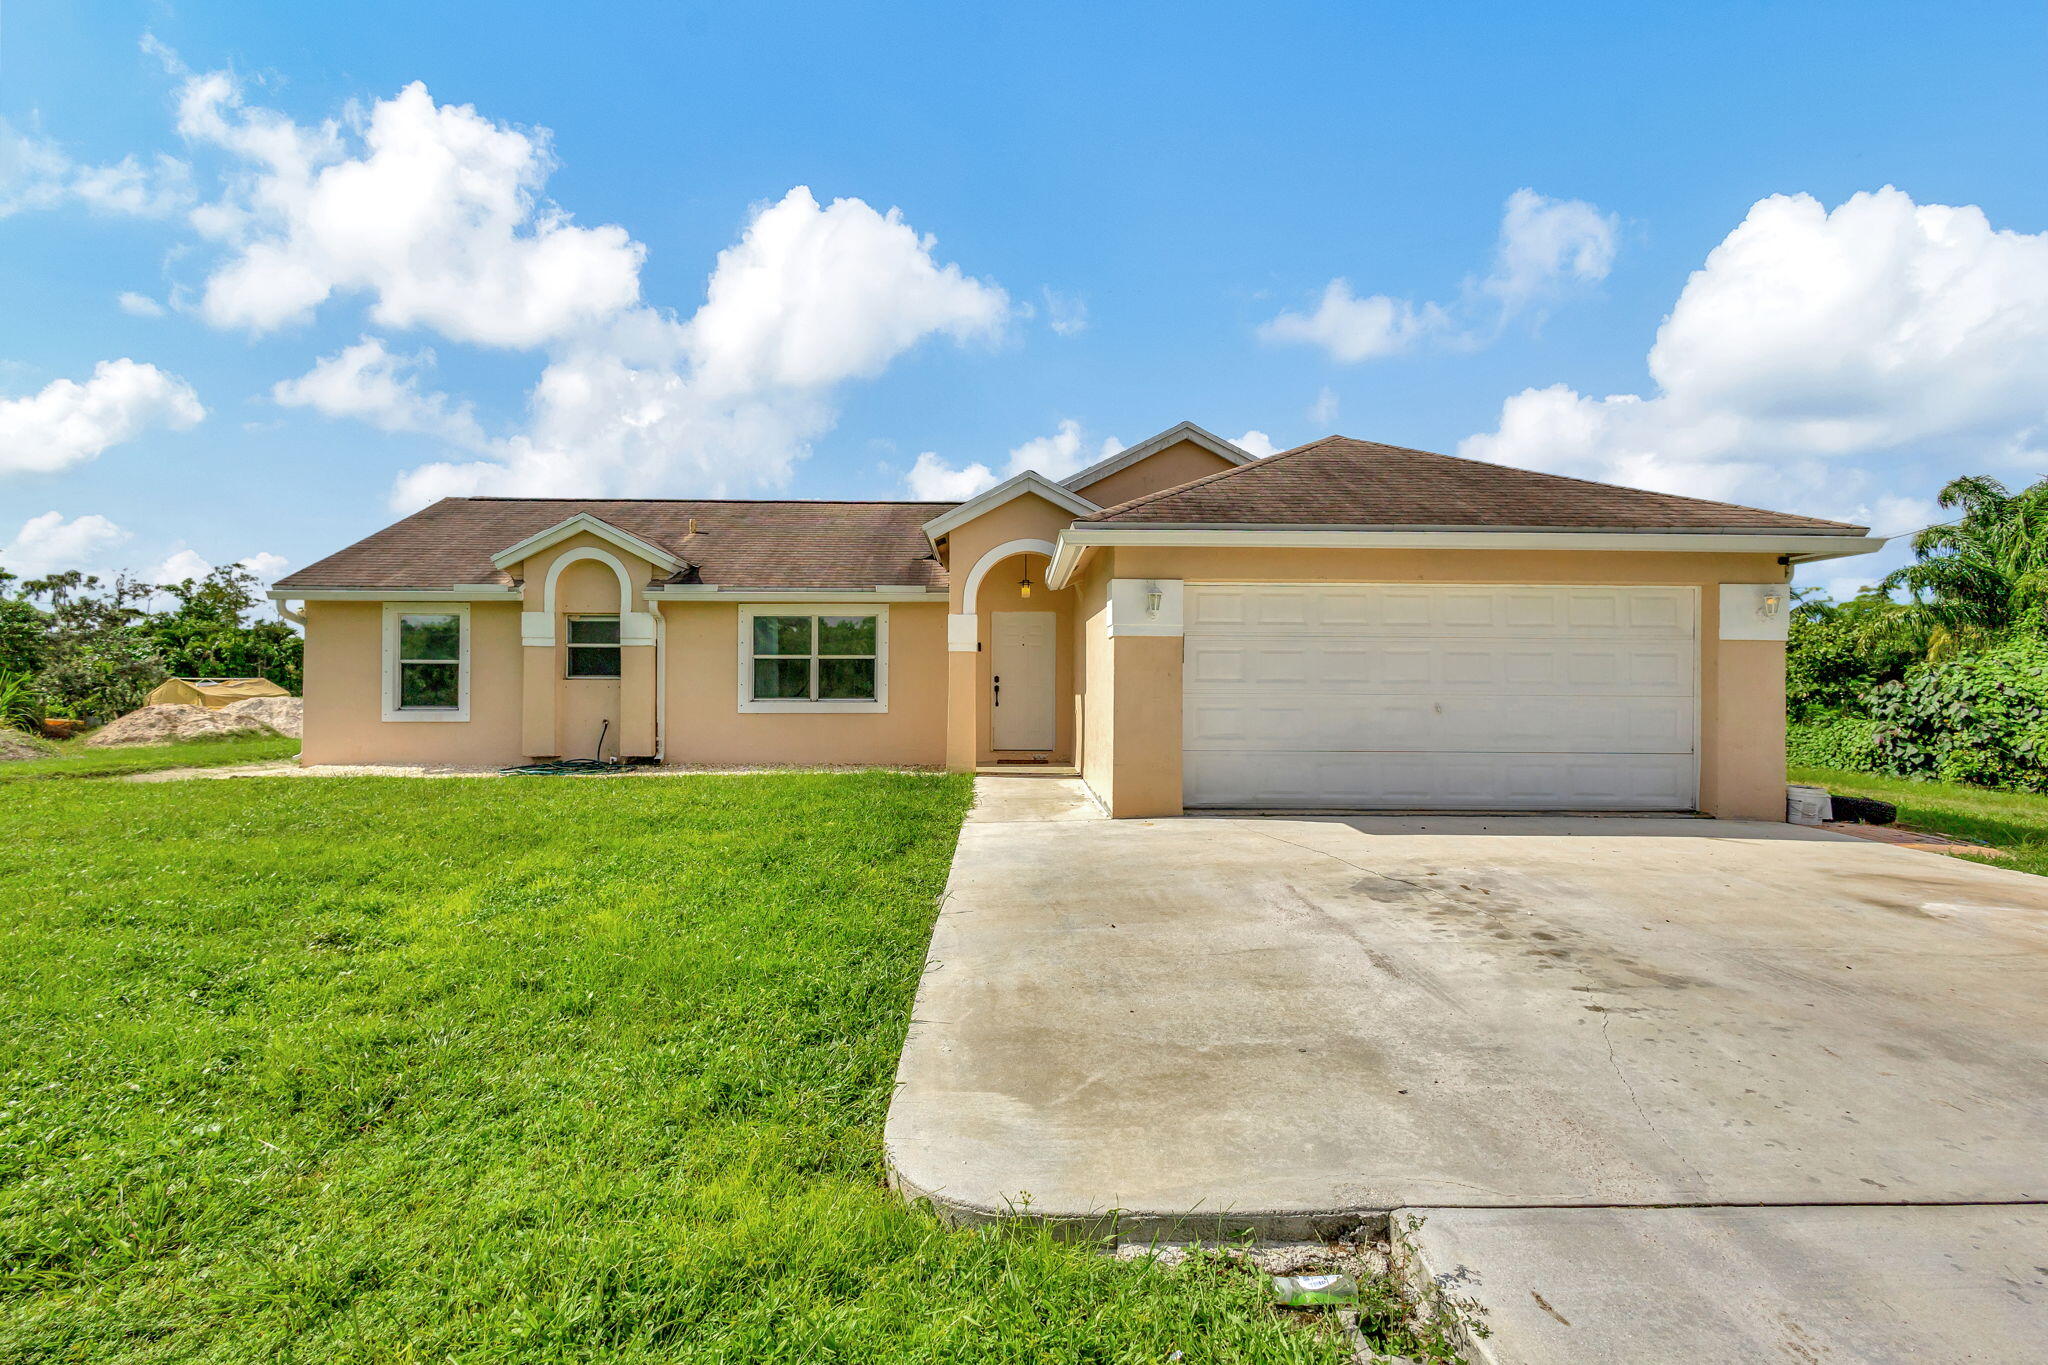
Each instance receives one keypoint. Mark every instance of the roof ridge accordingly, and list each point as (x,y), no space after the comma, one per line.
(750,502)
(1200,480)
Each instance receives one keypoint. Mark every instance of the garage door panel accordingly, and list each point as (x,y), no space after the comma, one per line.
(1444,696)
(1312,722)
(1424,782)
(1368,663)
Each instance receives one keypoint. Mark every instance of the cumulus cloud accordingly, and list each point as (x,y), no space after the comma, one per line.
(49,544)
(369,383)
(67,422)
(1066,451)
(1352,329)
(36,173)
(139,305)
(1546,247)
(436,217)
(432,211)
(1257,443)
(185,563)
(1809,341)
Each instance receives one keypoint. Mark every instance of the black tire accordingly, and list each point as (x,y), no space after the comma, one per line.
(1863,811)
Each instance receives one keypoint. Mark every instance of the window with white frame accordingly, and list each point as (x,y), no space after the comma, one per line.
(426,661)
(593,647)
(822,659)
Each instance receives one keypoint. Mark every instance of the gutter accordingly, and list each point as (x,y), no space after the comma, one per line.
(1797,547)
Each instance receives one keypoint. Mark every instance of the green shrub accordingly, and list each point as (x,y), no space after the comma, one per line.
(1845,742)
(1980,719)
(21,702)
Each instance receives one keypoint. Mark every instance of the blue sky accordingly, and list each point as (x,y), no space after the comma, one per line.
(348,294)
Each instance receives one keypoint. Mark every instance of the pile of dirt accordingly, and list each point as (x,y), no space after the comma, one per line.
(16,746)
(286,715)
(168,724)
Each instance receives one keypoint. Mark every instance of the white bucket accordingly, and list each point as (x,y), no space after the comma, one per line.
(1808,805)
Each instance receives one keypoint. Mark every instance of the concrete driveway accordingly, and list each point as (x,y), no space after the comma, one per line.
(1258,1022)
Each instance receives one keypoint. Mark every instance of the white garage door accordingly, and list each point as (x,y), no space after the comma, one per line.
(1411,697)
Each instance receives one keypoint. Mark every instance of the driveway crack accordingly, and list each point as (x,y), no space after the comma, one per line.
(1642,1113)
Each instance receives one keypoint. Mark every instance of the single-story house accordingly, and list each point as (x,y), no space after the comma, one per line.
(1345,625)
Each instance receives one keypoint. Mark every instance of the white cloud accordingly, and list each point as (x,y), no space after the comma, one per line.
(1545,247)
(1066,314)
(139,305)
(367,382)
(1808,344)
(68,423)
(431,210)
(35,173)
(809,298)
(1323,411)
(185,563)
(436,217)
(48,544)
(1064,452)
(1257,443)
(1352,329)
(1546,244)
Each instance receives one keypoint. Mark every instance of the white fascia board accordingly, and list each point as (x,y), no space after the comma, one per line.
(1027,482)
(457,594)
(1798,548)
(694,592)
(596,526)
(1152,445)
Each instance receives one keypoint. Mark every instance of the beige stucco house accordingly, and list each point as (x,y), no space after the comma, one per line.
(1345,625)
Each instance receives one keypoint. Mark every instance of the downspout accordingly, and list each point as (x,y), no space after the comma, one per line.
(297,618)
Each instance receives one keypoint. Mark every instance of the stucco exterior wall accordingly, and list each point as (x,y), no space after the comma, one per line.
(1162,469)
(1741,683)
(705,724)
(345,691)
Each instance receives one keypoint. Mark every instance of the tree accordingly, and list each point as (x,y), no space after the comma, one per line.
(1985,573)
(99,660)
(1836,653)
(207,635)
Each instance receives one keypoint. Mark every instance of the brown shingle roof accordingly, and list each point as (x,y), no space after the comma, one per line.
(1341,482)
(738,544)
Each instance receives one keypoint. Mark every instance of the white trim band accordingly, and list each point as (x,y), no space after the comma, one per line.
(1799,548)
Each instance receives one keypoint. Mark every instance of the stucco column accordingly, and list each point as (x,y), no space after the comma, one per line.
(537,738)
(1751,623)
(962,689)
(1146,647)
(636,684)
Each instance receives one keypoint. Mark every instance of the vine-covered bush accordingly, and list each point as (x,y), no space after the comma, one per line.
(1845,742)
(1982,718)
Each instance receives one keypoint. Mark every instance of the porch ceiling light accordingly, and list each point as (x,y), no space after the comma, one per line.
(1024,584)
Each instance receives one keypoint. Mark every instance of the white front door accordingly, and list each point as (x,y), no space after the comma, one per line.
(1424,696)
(1021,665)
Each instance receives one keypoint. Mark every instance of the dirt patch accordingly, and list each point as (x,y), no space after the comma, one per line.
(168,724)
(16,747)
(286,715)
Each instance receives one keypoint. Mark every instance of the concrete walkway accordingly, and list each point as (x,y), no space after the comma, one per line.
(1283,1024)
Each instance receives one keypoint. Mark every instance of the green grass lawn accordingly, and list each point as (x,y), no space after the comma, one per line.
(73,759)
(376,1069)
(2013,821)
